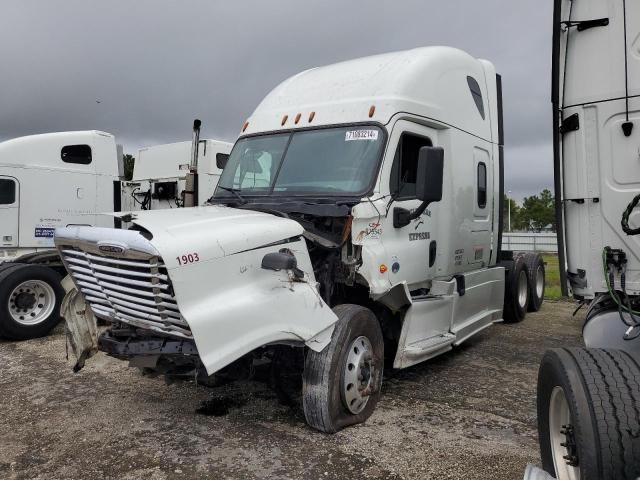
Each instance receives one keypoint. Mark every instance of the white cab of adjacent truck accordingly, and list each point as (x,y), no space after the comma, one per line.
(159,174)
(359,215)
(597,90)
(54,180)
(589,398)
(46,182)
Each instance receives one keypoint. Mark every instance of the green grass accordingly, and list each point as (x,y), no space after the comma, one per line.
(552,289)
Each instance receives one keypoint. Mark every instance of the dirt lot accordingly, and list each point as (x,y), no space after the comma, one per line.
(468,414)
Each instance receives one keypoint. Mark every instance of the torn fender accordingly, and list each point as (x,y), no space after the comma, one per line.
(81,327)
(233,305)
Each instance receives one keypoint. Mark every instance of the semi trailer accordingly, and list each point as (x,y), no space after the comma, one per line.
(358,218)
(589,398)
(68,178)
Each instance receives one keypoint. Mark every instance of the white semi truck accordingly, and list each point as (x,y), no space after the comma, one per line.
(160,171)
(359,216)
(589,398)
(48,181)
(63,179)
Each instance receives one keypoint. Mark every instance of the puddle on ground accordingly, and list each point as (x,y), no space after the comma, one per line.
(219,407)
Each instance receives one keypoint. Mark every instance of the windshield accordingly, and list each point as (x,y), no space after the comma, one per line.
(328,161)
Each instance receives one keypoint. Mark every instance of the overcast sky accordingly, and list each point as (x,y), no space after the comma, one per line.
(155,65)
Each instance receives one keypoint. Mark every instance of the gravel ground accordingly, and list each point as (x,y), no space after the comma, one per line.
(467,414)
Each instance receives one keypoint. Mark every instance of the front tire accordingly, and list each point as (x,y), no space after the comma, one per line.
(30,298)
(589,414)
(341,384)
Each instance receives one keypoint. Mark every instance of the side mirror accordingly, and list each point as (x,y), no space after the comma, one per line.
(282,261)
(429,181)
(430,174)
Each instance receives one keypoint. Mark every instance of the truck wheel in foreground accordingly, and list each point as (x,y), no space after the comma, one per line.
(30,298)
(341,384)
(516,291)
(535,265)
(589,414)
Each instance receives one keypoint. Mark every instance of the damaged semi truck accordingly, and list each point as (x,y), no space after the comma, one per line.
(358,216)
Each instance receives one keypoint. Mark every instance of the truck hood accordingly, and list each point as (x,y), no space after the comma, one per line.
(211,232)
(229,303)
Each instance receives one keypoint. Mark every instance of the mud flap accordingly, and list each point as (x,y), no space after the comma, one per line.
(81,327)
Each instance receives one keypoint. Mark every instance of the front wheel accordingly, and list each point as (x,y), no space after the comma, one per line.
(341,384)
(30,298)
(589,414)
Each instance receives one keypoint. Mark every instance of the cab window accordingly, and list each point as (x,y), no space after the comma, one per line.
(7,191)
(404,171)
(482,185)
(79,154)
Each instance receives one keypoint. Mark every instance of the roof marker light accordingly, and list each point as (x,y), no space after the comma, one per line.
(244,127)
(312,116)
(297,118)
(372,110)
(284,120)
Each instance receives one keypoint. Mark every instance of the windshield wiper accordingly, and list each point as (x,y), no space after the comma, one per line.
(235,191)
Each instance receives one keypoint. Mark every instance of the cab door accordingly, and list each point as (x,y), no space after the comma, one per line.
(9,211)
(411,250)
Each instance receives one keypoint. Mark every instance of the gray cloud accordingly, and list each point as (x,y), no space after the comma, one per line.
(155,65)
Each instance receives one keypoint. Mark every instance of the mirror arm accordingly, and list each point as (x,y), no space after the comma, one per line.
(419,211)
(403,217)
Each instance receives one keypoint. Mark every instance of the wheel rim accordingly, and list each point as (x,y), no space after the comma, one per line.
(522,289)
(562,438)
(358,375)
(32,302)
(539,281)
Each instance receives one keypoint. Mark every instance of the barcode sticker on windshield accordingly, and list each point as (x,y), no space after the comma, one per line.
(361,135)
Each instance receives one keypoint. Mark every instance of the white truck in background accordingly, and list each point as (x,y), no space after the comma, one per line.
(160,171)
(589,398)
(358,217)
(63,179)
(48,181)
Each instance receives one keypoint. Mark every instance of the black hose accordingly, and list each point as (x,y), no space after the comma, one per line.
(625,217)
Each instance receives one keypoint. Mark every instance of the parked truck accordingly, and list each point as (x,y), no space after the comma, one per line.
(48,181)
(160,171)
(589,398)
(358,217)
(64,179)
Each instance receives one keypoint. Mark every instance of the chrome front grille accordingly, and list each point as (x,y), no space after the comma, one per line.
(136,291)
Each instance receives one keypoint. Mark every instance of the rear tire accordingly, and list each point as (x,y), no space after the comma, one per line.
(30,298)
(341,384)
(516,292)
(589,410)
(535,264)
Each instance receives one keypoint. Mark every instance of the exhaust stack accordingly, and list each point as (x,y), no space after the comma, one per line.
(191,187)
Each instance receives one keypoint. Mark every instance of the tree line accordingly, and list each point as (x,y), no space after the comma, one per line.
(536,213)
